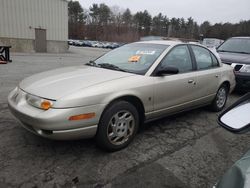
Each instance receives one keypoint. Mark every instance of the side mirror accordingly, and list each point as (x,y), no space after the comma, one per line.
(167,70)
(236,118)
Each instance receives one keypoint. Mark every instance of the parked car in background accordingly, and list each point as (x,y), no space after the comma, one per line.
(109,98)
(236,52)
(73,42)
(114,45)
(212,42)
(105,44)
(77,43)
(85,43)
(96,44)
(236,119)
(70,42)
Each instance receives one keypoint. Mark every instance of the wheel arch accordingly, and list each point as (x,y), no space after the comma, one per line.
(227,83)
(132,99)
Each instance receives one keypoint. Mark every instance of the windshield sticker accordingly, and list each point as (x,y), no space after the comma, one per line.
(145,52)
(134,58)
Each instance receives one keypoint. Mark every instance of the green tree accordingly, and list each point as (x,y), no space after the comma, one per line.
(159,25)
(204,28)
(190,27)
(76,20)
(143,22)
(104,14)
(94,13)
(113,23)
(101,14)
(75,11)
(127,17)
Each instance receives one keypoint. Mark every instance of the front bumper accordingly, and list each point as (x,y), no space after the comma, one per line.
(54,123)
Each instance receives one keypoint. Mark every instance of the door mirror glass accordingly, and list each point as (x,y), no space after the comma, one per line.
(237,117)
(167,70)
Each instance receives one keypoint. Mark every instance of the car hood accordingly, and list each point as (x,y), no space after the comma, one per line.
(227,57)
(58,83)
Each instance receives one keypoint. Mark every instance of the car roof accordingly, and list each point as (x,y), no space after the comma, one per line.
(164,42)
(211,39)
(243,37)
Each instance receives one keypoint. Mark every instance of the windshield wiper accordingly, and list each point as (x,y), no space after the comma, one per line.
(111,66)
(92,63)
(243,52)
(106,66)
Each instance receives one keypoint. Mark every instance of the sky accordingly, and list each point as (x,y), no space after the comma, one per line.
(215,11)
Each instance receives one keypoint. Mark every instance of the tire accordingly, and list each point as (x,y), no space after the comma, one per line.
(220,99)
(118,126)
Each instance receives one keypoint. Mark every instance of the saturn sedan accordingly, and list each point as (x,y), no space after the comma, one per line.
(110,97)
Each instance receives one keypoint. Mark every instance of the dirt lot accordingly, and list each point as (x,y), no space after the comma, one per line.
(186,150)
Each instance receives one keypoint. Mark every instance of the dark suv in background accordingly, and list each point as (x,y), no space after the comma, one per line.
(236,52)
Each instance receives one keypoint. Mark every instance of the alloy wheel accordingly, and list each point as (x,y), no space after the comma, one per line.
(221,97)
(121,126)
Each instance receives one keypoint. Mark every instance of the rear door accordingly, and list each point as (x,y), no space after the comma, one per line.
(175,92)
(208,73)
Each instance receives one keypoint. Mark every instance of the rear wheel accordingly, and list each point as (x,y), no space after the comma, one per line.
(118,126)
(220,99)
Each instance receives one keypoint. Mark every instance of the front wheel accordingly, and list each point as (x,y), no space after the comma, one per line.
(220,99)
(118,126)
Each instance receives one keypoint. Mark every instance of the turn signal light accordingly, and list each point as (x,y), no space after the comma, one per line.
(82,116)
(46,105)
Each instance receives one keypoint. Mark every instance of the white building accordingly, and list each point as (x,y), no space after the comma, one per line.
(34,25)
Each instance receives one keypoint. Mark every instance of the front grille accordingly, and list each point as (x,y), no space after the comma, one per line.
(237,67)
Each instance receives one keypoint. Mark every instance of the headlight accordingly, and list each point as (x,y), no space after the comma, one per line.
(38,102)
(245,68)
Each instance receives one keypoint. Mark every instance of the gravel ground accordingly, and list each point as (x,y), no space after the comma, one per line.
(185,150)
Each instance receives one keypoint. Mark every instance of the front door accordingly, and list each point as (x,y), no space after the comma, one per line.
(175,92)
(40,40)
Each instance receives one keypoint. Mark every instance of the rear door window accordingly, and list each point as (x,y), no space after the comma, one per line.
(203,58)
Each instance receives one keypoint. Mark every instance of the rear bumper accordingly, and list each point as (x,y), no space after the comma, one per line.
(54,123)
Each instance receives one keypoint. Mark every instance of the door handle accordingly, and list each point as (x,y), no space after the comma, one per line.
(217,76)
(192,82)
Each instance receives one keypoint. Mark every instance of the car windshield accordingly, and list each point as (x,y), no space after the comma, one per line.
(135,58)
(236,45)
